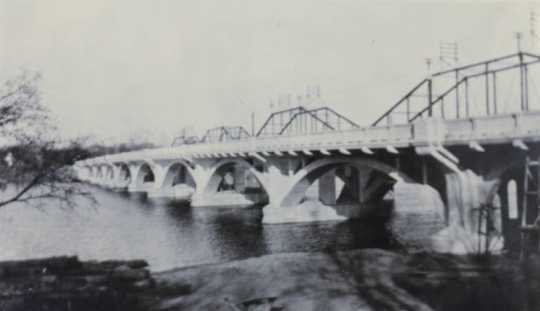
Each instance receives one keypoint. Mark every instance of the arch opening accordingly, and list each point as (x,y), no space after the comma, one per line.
(123,176)
(234,177)
(145,175)
(99,172)
(178,174)
(123,171)
(177,183)
(109,172)
(234,182)
(352,187)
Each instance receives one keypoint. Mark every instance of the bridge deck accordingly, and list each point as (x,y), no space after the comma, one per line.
(483,130)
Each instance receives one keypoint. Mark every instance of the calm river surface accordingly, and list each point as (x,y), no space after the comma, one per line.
(167,235)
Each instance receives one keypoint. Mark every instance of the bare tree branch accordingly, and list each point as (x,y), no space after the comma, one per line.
(38,169)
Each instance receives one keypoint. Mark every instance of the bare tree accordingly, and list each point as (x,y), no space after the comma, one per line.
(34,164)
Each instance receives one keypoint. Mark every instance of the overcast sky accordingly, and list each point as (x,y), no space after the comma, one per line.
(120,68)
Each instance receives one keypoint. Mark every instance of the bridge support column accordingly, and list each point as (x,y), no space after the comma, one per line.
(280,182)
(111,176)
(122,180)
(206,185)
(94,174)
(240,179)
(467,203)
(468,198)
(360,183)
(158,189)
(100,178)
(137,185)
(327,188)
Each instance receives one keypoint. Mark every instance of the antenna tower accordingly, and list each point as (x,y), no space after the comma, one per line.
(532,29)
(448,54)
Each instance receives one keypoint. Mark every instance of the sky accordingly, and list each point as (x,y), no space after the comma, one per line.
(124,69)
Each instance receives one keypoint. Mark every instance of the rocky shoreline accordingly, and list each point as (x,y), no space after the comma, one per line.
(367,279)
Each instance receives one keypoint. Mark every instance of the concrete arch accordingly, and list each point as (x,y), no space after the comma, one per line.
(172,171)
(123,171)
(145,174)
(214,179)
(108,171)
(304,178)
(100,171)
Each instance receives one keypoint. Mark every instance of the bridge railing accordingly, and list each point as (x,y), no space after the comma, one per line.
(484,129)
(399,135)
(466,91)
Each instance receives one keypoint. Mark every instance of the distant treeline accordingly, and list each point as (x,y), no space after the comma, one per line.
(34,158)
(99,150)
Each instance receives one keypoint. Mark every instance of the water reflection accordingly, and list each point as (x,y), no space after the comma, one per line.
(170,234)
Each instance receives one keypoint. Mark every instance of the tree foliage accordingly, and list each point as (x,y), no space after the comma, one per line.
(34,163)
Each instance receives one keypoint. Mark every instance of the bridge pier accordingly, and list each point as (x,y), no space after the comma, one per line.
(143,177)
(327,188)
(467,195)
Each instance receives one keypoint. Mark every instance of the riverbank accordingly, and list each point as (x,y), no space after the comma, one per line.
(368,279)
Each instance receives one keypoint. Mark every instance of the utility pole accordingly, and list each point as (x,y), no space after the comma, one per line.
(308,97)
(518,41)
(253,123)
(428,65)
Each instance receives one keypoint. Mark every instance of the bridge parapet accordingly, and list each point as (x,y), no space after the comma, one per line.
(428,131)
(493,129)
(372,137)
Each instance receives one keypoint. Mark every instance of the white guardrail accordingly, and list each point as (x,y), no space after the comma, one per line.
(489,129)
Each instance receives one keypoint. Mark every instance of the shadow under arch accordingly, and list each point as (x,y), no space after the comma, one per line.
(109,171)
(214,181)
(100,171)
(123,171)
(145,174)
(179,172)
(305,177)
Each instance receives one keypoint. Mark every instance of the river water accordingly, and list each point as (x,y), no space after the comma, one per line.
(169,234)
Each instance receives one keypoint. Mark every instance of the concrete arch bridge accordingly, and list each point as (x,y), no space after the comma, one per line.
(464,161)
(485,166)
